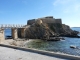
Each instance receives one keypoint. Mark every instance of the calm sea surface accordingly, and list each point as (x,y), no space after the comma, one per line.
(7,32)
(58,46)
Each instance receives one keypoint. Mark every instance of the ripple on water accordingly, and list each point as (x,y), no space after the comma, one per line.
(59,46)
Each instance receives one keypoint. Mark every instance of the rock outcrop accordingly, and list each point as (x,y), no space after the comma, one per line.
(46,28)
(38,31)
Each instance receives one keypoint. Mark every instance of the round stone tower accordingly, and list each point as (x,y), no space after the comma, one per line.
(38,21)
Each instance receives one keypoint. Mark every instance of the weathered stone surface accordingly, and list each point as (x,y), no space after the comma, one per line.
(30,22)
(2,36)
(69,32)
(14,33)
(49,19)
(49,27)
(38,31)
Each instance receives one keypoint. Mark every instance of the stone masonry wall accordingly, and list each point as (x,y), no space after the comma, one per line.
(29,22)
(58,21)
(2,37)
(14,33)
(49,19)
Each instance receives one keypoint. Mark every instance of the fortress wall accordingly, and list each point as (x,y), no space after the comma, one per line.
(19,34)
(46,17)
(30,22)
(58,21)
(49,17)
(39,21)
(45,20)
(23,32)
(48,20)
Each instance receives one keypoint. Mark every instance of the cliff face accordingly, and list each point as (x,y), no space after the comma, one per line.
(39,30)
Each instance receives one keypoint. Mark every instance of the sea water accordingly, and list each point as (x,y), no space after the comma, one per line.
(7,32)
(56,46)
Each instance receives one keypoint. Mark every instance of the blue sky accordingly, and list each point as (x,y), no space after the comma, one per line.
(19,11)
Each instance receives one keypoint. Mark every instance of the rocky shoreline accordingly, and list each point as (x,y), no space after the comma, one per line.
(44,28)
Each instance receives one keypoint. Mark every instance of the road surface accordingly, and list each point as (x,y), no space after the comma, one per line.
(14,54)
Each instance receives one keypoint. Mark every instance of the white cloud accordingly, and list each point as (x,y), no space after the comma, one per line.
(59,2)
(67,6)
(68,10)
(77,7)
(72,9)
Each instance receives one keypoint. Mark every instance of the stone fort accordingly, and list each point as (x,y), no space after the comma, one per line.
(19,31)
(48,19)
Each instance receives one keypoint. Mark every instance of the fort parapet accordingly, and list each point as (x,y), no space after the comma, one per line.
(48,19)
(31,21)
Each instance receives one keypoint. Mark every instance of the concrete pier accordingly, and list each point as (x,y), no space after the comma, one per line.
(14,33)
(2,36)
(14,30)
(23,32)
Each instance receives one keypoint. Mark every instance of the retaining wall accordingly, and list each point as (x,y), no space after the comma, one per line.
(54,54)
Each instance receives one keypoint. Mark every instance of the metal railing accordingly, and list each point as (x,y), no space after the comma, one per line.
(5,26)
